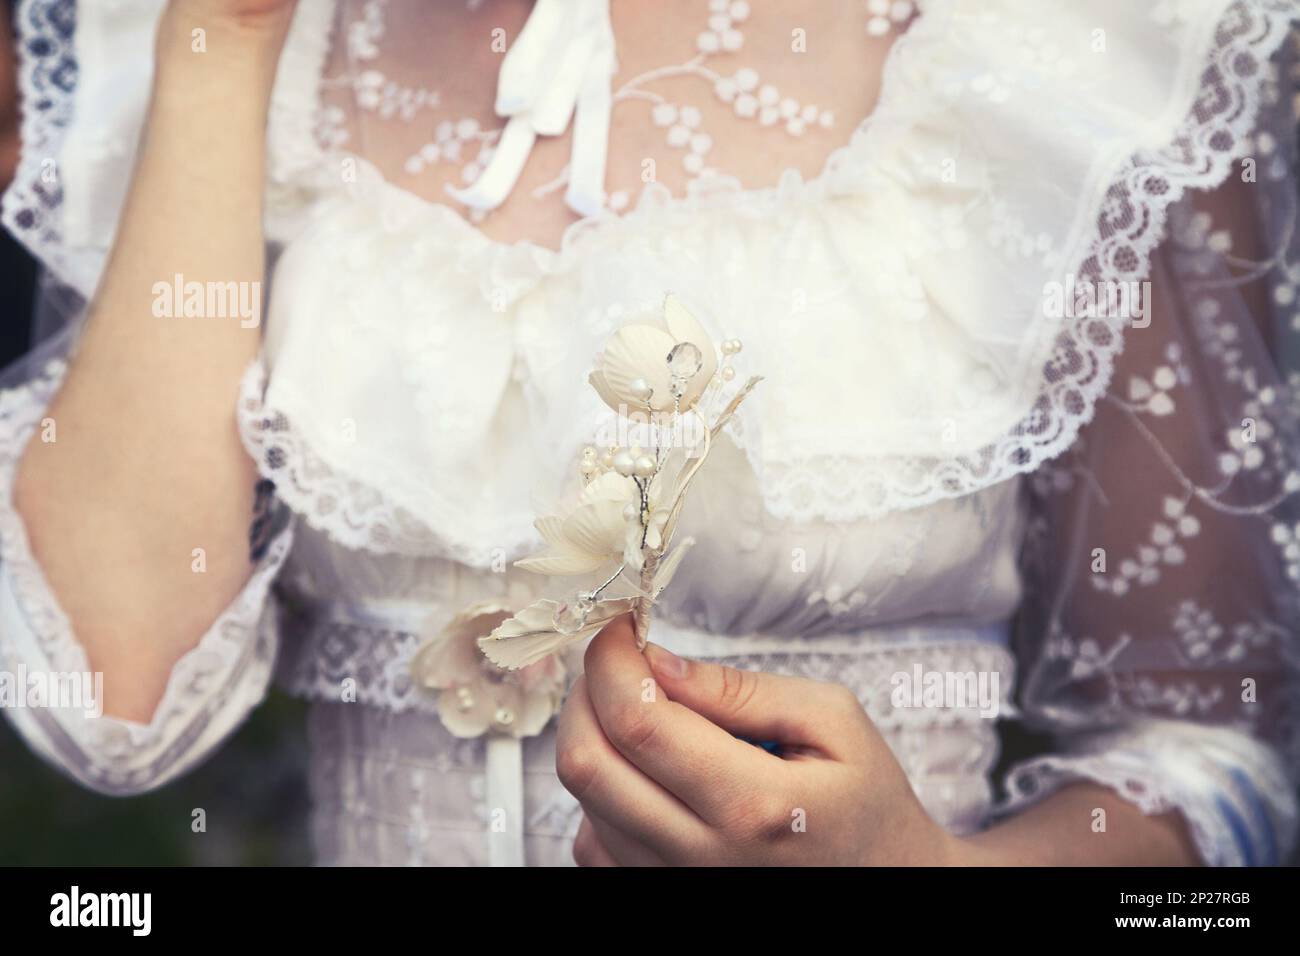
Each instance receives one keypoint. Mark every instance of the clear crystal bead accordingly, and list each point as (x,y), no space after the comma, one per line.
(684,363)
(571,614)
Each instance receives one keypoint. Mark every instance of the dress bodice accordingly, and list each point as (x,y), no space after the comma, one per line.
(954,463)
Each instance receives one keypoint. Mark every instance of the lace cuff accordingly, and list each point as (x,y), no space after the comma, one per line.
(210,690)
(1230,788)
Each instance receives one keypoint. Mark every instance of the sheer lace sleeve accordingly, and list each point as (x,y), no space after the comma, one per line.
(1161,644)
(46,687)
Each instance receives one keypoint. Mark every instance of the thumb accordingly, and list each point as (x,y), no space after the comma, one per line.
(792,711)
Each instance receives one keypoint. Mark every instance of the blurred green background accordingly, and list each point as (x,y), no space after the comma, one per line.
(253,790)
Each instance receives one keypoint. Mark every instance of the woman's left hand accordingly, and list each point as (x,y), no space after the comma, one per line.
(645,743)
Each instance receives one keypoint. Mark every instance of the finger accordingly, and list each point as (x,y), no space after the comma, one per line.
(587,848)
(792,711)
(609,786)
(703,765)
(623,849)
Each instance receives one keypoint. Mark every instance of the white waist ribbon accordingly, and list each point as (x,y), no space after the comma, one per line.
(504,771)
(559,68)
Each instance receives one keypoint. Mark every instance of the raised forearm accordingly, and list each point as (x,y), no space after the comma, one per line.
(194,209)
(147,465)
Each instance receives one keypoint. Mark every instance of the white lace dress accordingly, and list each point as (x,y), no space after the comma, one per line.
(953,466)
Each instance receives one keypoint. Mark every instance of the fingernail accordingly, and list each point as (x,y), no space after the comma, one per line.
(665,662)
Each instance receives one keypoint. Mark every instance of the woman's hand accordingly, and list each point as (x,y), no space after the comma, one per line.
(645,743)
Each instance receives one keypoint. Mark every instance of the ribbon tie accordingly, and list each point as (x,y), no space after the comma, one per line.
(558,69)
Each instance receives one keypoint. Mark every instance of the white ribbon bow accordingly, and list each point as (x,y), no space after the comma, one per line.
(558,69)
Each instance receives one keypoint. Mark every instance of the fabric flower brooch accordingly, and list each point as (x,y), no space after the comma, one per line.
(665,379)
(477,697)
(662,377)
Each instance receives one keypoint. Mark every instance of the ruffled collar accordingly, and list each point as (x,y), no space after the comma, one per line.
(896,302)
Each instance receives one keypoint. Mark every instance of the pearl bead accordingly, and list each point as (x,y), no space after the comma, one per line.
(624,463)
(728,373)
(644,466)
(640,390)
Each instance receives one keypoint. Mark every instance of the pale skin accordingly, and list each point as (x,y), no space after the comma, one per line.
(645,743)
(148,467)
